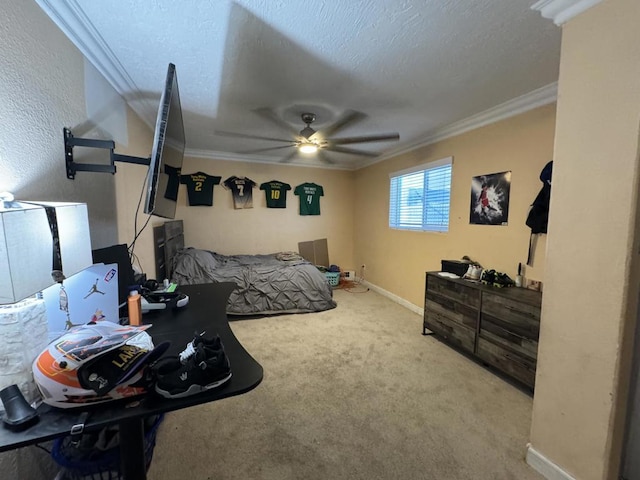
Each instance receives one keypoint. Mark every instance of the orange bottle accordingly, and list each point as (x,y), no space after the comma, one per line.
(134,305)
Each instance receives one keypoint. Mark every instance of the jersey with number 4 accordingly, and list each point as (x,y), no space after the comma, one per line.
(200,187)
(309,194)
(276,193)
(242,191)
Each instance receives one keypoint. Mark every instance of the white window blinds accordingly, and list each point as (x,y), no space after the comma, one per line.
(420,197)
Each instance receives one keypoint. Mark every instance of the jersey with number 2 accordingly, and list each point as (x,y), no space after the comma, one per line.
(200,188)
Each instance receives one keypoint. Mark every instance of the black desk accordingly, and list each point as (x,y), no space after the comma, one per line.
(206,312)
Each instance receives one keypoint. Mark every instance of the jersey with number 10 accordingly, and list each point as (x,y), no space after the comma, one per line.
(276,193)
(309,194)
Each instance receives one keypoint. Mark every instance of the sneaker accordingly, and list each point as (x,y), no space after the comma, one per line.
(213,343)
(204,370)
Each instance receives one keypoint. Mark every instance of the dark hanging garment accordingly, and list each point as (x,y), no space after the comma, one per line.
(538,217)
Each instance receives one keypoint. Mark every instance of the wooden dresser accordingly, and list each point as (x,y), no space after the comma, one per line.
(498,326)
(168,238)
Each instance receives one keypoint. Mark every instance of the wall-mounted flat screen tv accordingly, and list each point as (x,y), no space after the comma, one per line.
(163,177)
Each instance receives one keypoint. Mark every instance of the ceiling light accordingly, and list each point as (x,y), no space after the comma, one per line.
(308,148)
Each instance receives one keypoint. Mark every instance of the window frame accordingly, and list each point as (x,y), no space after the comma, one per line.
(396,208)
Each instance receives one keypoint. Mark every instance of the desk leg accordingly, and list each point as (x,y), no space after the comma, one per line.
(132,459)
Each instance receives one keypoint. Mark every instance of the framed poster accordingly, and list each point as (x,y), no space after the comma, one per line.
(490,199)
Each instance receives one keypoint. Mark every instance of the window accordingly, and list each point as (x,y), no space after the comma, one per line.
(420,197)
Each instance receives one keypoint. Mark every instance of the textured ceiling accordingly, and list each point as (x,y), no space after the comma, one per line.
(411,66)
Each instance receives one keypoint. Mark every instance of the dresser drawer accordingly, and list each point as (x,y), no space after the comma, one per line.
(497,334)
(515,316)
(453,332)
(456,312)
(452,290)
(514,365)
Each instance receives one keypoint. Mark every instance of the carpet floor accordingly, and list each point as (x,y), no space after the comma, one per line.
(352,393)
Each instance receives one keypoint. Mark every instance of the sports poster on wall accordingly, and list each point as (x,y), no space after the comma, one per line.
(490,199)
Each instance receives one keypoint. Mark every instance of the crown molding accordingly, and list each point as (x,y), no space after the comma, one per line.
(537,98)
(70,18)
(561,11)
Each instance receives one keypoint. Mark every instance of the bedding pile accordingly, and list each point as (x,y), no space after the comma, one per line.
(281,282)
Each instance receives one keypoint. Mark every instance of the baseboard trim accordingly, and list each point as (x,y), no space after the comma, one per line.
(544,466)
(535,459)
(394,297)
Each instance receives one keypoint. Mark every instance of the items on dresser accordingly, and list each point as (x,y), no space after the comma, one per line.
(457,267)
(498,326)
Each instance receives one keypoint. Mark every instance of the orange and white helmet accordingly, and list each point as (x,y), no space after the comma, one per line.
(94,363)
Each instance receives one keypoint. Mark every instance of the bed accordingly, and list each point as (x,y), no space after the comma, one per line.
(282,282)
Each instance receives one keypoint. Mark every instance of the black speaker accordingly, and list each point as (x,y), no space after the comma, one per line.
(18,414)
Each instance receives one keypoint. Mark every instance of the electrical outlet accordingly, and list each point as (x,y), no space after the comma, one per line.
(349,275)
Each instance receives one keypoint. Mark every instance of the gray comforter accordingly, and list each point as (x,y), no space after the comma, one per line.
(266,284)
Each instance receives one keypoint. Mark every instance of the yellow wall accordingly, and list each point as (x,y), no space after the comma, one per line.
(397,260)
(130,182)
(590,302)
(223,229)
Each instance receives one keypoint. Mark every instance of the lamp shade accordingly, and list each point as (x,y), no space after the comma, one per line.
(27,246)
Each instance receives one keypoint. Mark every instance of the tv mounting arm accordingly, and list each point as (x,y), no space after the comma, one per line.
(70,141)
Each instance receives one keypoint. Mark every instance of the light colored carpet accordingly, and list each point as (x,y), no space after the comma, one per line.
(352,393)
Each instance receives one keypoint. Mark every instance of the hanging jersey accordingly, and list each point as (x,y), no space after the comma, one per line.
(173,183)
(276,193)
(200,188)
(242,191)
(309,194)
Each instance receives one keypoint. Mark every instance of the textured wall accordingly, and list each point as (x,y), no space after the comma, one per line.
(397,260)
(589,308)
(258,230)
(43,90)
(43,85)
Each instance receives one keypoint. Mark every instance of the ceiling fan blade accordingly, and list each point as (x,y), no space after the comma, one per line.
(260,150)
(324,157)
(245,135)
(270,115)
(369,138)
(349,117)
(289,157)
(350,151)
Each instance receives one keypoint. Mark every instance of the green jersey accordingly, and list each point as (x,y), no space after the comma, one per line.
(309,194)
(200,188)
(276,193)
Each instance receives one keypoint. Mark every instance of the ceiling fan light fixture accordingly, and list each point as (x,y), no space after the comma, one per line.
(308,147)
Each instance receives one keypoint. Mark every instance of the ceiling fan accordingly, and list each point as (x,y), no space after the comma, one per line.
(309,141)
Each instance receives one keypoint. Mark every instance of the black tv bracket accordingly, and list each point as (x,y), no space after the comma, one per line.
(72,167)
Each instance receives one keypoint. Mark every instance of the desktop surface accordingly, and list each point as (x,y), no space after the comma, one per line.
(206,312)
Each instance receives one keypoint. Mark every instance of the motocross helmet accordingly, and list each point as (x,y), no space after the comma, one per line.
(94,363)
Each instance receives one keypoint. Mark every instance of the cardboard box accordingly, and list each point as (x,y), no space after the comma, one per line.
(316,251)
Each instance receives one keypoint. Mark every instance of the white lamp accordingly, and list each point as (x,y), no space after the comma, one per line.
(35,238)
